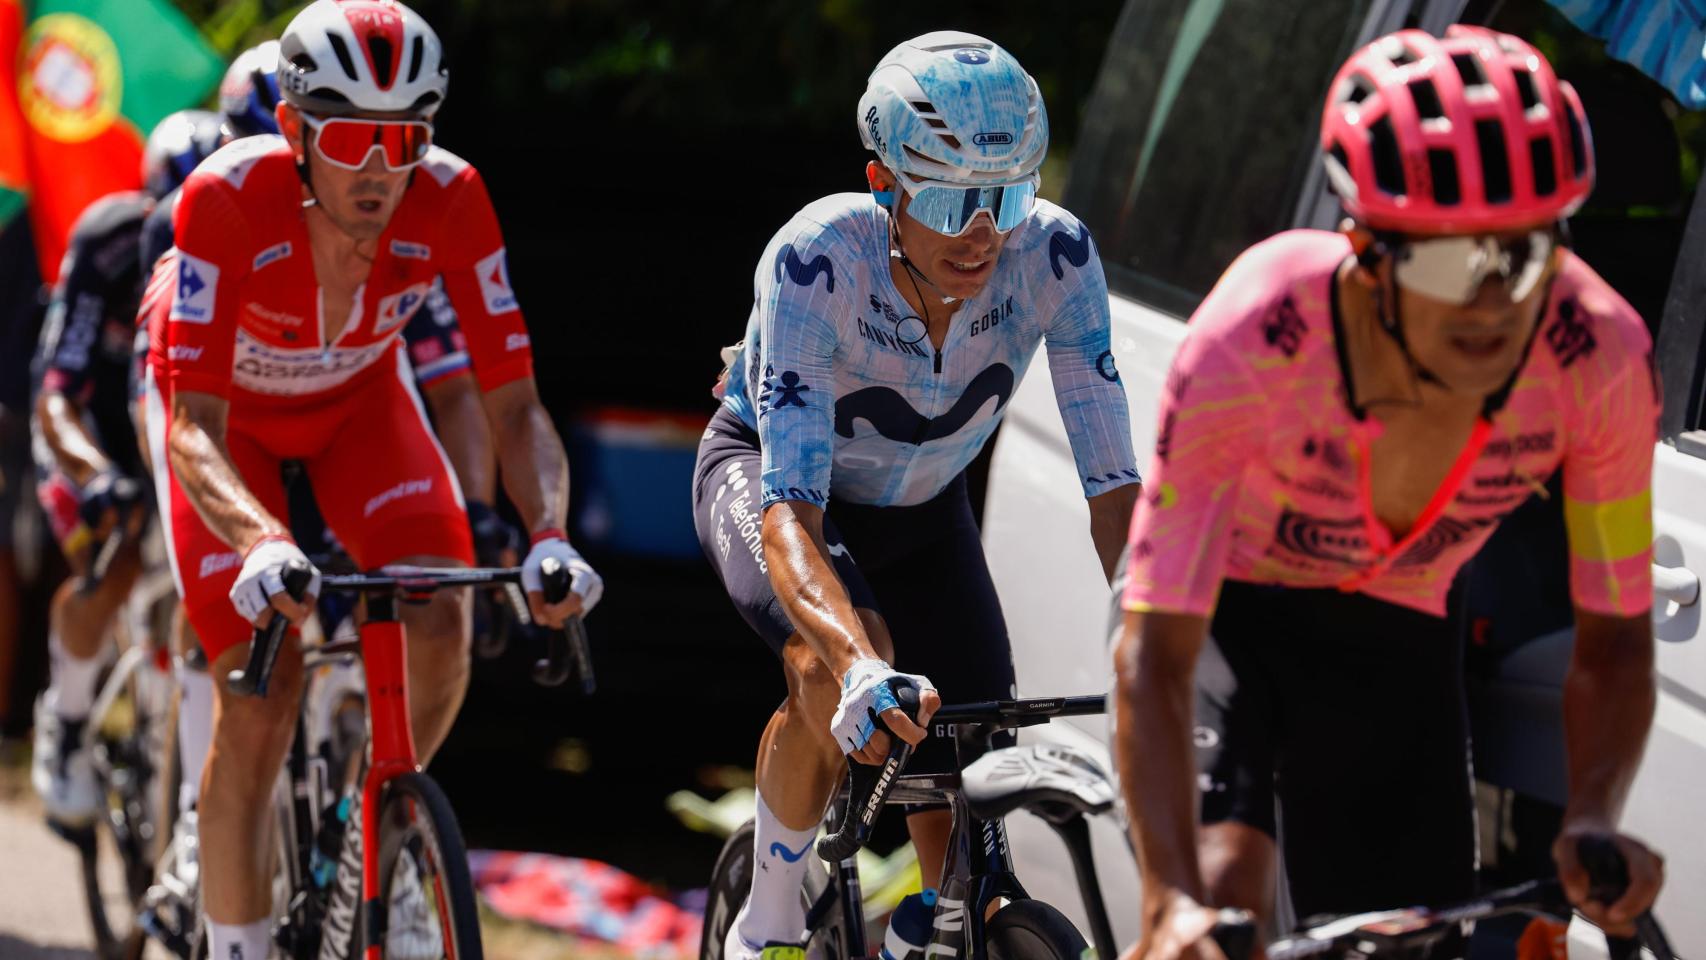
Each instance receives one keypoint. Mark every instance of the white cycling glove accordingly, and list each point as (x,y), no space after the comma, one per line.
(262,577)
(584,581)
(865,694)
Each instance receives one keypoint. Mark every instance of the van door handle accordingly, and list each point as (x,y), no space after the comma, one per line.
(1678,585)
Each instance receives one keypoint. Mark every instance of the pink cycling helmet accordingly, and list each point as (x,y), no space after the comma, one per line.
(1469,133)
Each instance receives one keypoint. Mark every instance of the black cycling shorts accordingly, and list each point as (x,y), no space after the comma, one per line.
(1346,714)
(920,567)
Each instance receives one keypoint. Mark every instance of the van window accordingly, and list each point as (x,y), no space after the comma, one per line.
(1197,140)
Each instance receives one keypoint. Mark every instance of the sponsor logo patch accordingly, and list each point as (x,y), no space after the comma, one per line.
(272,254)
(991,139)
(408,488)
(183,353)
(219,562)
(411,251)
(198,286)
(516,341)
(493,272)
(399,307)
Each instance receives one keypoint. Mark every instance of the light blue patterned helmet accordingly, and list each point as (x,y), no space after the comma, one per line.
(955,107)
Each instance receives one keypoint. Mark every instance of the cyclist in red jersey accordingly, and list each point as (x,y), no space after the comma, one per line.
(1347,420)
(298,264)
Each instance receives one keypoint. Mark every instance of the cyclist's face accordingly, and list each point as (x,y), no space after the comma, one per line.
(959,266)
(1474,346)
(358,202)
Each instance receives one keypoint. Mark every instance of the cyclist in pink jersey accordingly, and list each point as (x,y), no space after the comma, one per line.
(1346,422)
(299,262)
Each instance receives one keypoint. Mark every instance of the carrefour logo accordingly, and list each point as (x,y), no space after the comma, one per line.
(70,84)
(198,288)
(493,272)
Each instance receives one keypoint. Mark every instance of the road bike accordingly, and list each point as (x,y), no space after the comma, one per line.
(1058,783)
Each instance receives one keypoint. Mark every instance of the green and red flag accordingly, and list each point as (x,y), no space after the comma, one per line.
(14,165)
(92,78)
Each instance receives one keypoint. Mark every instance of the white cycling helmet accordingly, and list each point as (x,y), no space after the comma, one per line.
(954,107)
(344,56)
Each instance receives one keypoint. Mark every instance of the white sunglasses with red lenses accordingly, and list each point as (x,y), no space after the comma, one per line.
(348,141)
(1452,269)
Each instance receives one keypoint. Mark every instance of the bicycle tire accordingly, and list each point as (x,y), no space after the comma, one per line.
(731,883)
(1032,930)
(415,817)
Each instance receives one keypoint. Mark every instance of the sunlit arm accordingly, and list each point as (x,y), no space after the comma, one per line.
(459,418)
(530,455)
(1110,522)
(198,456)
(74,450)
(1609,696)
(814,598)
(1155,667)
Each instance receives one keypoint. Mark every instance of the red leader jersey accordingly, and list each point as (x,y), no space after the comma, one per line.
(246,323)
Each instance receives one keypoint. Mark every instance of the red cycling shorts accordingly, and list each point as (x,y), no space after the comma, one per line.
(381,480)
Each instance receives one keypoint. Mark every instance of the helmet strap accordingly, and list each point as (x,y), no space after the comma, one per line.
(898,252)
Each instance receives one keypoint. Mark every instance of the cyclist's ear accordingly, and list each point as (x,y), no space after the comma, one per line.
(881,183)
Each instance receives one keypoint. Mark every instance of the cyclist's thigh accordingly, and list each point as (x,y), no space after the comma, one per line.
(728,518)
(1375,787)
(385,485)
(927,568)
(1235,708)
(204,566)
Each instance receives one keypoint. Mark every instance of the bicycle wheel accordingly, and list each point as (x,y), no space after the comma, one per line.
(424,881)
(1032,930)
(129,748)
(731,883)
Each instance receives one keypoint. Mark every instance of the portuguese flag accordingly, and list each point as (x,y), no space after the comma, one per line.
(91,78)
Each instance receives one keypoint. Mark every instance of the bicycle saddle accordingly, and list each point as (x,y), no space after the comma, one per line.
(1054,781)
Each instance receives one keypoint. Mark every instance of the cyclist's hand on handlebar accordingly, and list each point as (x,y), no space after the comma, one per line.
(259,589)
(1183,932)
(496,542)
(107,500)
(585,585)
(1646,877)
(865,697)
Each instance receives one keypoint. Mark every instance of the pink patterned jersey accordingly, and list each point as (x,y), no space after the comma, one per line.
(1260,468)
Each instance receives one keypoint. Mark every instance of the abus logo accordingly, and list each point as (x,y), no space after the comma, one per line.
(183,353)
(990,139)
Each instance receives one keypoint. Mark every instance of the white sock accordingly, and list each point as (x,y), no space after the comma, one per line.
(71,682)
(195,731)
(773,912)
(233,941)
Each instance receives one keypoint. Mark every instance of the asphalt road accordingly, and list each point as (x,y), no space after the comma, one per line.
(42,914)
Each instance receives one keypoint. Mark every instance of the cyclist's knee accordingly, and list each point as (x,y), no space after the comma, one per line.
(254,732)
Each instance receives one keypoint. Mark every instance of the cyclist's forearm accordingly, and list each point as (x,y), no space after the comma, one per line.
(1609,697)
(814,598)
(530,456)
(460,419)
(1110,521)
(76,453)
(198,457)
(1155,663)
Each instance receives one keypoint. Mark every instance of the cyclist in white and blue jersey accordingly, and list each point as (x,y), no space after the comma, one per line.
(888,332)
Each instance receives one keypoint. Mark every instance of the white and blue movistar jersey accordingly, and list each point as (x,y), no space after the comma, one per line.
(839,396)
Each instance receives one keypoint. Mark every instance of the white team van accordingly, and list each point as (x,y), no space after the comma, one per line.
(1199,140)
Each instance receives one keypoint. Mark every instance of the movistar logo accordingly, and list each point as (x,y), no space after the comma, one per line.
(1076,250)
(891,415)
(778,850)
(804,274)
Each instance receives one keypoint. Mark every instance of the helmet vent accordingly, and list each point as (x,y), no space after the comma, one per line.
(304,63)
(1426,99)
(1388,167)
(1337,152)
(1401,55)
(1495,161)
(1578,143)
(1525,89)
(1469,69)
(341,50)
(1361,88)
(417,53)
(1544,164)
(379,53)
(924,106)
(1442,167)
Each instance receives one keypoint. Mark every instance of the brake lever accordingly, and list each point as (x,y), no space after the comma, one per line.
(253,679)
(566,651)
(868,786)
